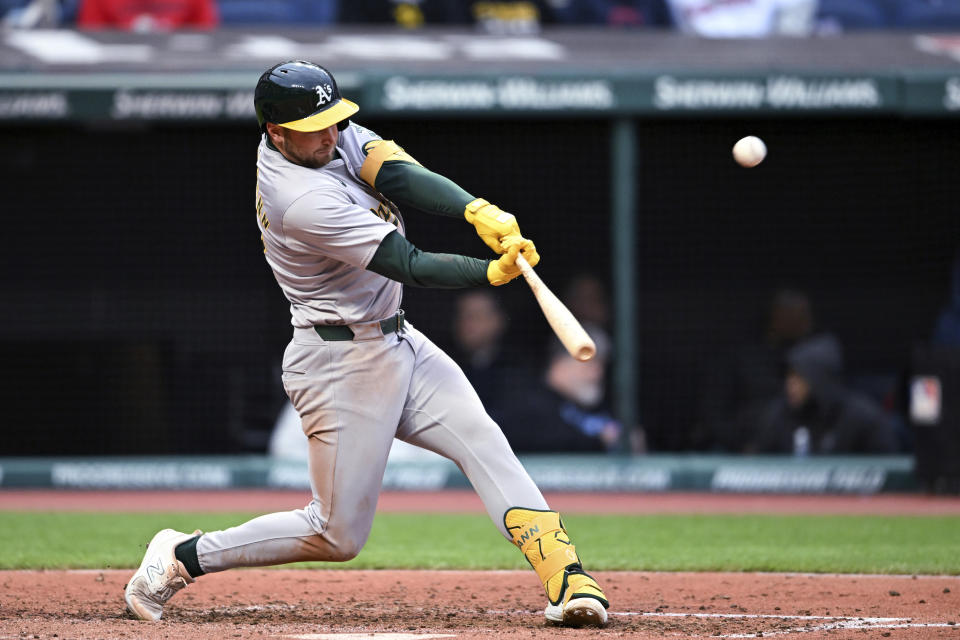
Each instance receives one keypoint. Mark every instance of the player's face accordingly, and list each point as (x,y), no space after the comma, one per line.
(797,389)
(311,149)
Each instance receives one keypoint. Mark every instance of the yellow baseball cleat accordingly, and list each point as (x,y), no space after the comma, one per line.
(581,602)
(575,598)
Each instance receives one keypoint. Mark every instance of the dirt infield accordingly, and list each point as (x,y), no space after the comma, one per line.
(412,605)
(315,605)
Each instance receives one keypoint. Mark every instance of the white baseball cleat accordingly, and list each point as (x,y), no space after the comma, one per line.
(159,577)
(578,612)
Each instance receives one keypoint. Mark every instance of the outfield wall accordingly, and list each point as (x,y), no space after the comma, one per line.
(654,473)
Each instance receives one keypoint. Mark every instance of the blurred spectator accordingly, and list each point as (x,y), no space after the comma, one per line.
(835,16)
(256,12)
(947,330)
(740,386)
(937,15)
(586,297)
(147,15)
(817,414)
(479,324)
(564,411)
(612,13)
(508,17)
(744,18)
(32,14)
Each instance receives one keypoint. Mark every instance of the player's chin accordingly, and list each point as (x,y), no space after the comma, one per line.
(323,157)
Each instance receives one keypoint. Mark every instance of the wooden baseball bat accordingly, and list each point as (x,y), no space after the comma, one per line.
(570,332)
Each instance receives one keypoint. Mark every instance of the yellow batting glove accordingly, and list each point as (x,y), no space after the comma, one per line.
(492,223)
(505,269)
(527,249)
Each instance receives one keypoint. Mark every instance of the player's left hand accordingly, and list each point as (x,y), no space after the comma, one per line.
(505,269)
(492,223)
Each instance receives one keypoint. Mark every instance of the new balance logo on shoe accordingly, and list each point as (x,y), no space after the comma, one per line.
(155,571)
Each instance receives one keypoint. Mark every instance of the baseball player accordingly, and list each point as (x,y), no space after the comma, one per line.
(357,370)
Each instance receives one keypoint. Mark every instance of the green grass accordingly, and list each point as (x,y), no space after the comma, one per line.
(842,544)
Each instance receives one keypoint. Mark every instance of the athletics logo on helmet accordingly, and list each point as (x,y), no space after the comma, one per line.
(324,94)
(301,96)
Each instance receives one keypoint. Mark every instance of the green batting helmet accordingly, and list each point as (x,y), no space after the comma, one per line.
(301,96)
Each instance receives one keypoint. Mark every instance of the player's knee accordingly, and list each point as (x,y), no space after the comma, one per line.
(324,548)
(345,550)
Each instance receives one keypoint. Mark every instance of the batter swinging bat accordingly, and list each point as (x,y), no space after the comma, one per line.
(571,334)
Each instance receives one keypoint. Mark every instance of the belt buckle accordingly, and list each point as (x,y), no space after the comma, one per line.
(400,316)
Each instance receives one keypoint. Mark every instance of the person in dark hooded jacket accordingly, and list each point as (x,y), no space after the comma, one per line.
(817,414)
(946,333)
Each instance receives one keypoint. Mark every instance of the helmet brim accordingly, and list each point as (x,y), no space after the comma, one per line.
(321,120)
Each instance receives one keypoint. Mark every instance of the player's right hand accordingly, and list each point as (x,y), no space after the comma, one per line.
(493,224)
(505,269)
(527,248)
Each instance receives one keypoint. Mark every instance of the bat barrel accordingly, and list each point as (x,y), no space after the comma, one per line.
(571,334)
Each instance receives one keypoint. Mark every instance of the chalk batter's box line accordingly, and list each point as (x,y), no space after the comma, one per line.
(829,622)
(834,622)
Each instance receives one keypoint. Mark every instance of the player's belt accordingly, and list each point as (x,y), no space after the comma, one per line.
(343,332)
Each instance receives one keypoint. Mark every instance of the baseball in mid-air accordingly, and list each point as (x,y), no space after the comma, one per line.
(749,151)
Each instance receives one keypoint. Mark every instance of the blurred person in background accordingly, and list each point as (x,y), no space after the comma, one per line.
(740,387)
(744,18)
(147,15)
(817,414)
(508,17)
(946,333)
(257,13)
(565,410)
(479,325)
(586,297)
(38,14)
(612,13)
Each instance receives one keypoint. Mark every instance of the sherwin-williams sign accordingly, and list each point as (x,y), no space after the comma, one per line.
(570,96)
(776,92)
(34,105)
(636,95)
(525,93)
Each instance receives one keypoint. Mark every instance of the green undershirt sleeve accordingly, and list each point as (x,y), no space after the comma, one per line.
(406,183)
(396,258)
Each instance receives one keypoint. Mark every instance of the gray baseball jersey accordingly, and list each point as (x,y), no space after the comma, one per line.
(320,229)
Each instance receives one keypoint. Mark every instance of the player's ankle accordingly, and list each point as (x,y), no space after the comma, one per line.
(186,553)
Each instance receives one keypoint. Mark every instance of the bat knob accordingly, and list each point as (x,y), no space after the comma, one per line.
(586,352)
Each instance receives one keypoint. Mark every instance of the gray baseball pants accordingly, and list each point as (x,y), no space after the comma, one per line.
(354,398)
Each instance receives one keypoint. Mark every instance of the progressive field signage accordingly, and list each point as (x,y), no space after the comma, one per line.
(651,473)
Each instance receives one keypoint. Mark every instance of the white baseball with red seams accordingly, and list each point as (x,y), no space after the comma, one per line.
(749,151)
